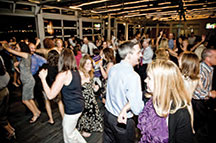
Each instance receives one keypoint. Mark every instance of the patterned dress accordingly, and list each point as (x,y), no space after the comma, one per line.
(91,119)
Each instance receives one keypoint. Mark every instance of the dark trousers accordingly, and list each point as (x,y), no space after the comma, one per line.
(200,109)
(118,133)
(4,99)
(141,70)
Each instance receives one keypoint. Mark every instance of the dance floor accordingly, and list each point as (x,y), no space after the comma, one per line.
(42,132)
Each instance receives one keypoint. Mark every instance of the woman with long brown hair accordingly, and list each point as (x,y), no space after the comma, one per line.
(67,81)
(91,119)
(26,78)
(109,61)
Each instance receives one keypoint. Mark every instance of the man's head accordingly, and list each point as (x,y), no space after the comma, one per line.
(192,34)
(138,35)
(209,56)
(145,44)
(72,37)
(130,52)
(171,36)
(32,48)
(85,40)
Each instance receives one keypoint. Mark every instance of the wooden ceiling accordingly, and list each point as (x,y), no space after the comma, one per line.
(160,10)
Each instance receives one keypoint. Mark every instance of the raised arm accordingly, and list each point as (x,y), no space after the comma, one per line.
(21,54)
(199,43)
(42,51)
(56,86)
(173,53)
(105,72)
(158,39)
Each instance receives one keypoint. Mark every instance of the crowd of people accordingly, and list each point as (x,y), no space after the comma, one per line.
(166,83)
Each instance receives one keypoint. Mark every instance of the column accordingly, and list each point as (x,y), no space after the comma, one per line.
(80,29)
(40,28)
(126,31)
(109,28)
(157,29)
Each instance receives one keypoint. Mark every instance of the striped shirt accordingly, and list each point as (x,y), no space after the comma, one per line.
(206,74)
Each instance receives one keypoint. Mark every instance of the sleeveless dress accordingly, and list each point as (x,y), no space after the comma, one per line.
(26,78)
(153,128)
(91,119)
(52,73)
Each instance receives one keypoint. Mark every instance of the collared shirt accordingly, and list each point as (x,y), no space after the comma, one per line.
(171,43)
(84,48)
(199,50)
(191,40)
(206,75)
(123,86)
(36,62)
(147,56)
(135,40)
(72,42)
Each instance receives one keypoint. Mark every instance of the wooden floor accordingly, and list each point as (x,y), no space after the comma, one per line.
(42,132)
(39,132)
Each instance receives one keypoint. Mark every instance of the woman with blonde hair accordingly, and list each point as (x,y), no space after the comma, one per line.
(91,119)
(162,53)
(166,117)
(59,45)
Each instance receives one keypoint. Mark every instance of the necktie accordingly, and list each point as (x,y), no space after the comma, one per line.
(88,49)
(141,59)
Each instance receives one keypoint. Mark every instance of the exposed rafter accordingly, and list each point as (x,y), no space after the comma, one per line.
(158,9)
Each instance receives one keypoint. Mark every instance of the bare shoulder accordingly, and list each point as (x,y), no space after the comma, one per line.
(81,73)
(62,75)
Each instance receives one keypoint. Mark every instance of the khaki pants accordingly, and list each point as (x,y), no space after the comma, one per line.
(71,134)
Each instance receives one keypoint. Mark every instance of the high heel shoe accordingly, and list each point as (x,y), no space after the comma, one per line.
(15,84)
(34,118)
(11,135)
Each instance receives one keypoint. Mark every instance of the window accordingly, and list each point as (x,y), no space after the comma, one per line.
(5,5)
(69,23)
(51,10)
(87,24)
(68,12)
(87,31)
(23,7)
(55,23)
(70,32)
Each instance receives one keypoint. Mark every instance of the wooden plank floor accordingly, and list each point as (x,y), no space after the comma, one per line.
(41,131)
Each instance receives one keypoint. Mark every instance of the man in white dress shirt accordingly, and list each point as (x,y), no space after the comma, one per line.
(87,47)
